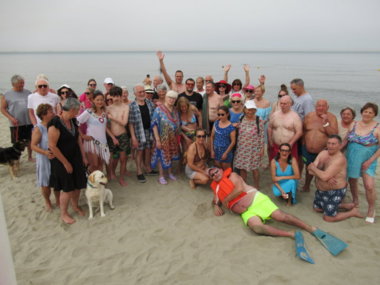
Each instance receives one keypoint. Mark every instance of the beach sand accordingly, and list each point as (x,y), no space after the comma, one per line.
(169,235)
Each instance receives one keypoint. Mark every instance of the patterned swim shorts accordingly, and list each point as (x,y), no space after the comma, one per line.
(329,201)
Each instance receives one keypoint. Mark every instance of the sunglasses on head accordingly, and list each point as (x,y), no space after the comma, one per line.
(42,86)
(233,101)
(201,136)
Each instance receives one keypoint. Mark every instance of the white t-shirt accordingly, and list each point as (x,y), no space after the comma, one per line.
(35,99)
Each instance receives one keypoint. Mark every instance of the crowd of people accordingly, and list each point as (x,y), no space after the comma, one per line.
(202,123)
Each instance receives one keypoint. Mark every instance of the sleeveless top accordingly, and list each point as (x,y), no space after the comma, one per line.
(366,140)
(287,172)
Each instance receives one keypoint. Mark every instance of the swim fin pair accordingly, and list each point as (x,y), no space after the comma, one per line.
(331,243)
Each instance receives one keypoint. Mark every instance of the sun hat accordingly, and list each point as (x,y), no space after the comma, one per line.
(249,87)
(223,82)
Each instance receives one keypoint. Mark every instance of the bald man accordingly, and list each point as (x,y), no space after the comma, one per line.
(285,126)
(317,127)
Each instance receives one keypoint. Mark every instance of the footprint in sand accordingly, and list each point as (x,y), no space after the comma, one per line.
(203,210)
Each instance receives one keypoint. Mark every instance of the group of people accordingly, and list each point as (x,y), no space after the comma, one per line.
(204,123)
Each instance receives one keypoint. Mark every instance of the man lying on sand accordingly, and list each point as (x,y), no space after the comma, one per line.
(255,208)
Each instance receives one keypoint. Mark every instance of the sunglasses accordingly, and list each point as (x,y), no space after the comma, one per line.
(233,102)
(94,84)
(285,150)
(222,86)
(237,84)
(221,115)
(190,84)
(201,136)
(65,92)
(213,174)
(248,90)
(42,86)
(87,93)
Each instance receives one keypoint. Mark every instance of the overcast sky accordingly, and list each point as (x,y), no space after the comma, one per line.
(83,25)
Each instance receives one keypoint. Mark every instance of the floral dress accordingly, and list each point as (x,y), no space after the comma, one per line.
(168,129)
(250,143)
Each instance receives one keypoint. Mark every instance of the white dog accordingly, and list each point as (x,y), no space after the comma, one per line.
(96,192)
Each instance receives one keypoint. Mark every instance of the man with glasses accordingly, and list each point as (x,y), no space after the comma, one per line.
(193,97)
(285,126)
(176,85)
(42,96)
(14,107)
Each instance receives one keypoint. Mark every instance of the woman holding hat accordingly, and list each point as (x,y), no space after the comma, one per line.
(250,143)
(165,125)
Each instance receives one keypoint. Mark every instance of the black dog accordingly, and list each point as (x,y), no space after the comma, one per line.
(11,156)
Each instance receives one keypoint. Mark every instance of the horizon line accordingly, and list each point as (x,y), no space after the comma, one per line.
(188,51)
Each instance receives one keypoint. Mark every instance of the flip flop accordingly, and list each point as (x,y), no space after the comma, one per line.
(301,251)
(331,243)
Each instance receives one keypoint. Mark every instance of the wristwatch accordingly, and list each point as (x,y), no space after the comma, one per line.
(326,125)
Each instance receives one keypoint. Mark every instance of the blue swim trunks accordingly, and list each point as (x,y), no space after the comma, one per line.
(329,201)
(308,157)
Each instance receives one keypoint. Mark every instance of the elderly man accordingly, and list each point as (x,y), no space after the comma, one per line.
(211,102)
(176,85)
(303,103)
(330,171)
(199,85)
(285,126)
(318,126)
(140,114)
(193,97)
(14,107)
(41,96)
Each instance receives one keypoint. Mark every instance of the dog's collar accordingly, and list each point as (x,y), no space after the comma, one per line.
(89,184)
(16,150)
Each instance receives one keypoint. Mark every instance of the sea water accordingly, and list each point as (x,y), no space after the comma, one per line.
(343,78)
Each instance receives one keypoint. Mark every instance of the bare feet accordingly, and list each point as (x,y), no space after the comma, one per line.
(48,206)
(79,211)
(356,213)
(192,184)
(305,189)
(122,182)
(67,219)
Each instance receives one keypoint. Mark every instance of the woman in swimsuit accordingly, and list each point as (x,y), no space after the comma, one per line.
(362,153)
(188,122)
(197,157)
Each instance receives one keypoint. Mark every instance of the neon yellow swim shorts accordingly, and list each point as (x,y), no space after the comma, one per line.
(262,207)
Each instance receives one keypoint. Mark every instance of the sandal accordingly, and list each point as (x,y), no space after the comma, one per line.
(371,220)
(172,177)
(162,180)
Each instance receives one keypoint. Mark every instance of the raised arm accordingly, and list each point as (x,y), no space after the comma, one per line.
(168,80)
(247,76)
(226,69)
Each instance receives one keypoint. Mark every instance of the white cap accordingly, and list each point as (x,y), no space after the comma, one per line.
(108,80)
(64,86)
(250,104)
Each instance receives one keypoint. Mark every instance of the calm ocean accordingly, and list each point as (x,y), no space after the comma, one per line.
(344,79)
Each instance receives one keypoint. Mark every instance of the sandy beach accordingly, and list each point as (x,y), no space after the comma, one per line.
(169,235)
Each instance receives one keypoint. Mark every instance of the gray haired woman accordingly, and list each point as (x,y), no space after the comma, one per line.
(67,168)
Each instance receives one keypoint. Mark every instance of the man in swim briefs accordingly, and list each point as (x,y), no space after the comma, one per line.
(255,208)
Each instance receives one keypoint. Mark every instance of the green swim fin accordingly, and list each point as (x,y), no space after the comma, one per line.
(301,251)
(331,243)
